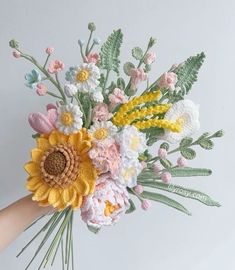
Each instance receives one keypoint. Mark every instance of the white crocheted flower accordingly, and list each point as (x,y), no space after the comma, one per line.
(188,114)
(69,119)
(85,77)
(128,172)
(102,130)
(132,142)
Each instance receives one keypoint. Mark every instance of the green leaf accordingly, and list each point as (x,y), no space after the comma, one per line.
(165,145)
(137,53)
(147,68)
(165,163)
(206,144)
(188,172)
(93,229)
(36,135)
(110,51)
(188,153)
(165,200)
(153,134)
(203,136)
(188,71)
(121,83)
(181,191)
(132,207)
(185,142)
(127,67)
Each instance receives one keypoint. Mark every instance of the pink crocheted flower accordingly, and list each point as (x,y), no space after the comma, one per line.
(41,89)
(106,205)
(118,97)
(44,123)
(137,75)
(92,58)
(55,66)
(101,112)
(168,80)
(150,57)
(106,157)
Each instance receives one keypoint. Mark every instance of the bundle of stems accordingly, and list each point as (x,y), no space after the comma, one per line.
(58,231)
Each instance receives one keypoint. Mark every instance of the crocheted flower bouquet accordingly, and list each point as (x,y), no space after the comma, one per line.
(92,148)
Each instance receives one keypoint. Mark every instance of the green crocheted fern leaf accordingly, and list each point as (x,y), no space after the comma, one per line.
(187,73)
(110,51)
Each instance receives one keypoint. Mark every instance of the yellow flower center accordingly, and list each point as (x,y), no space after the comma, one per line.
(180,121)
(135,141)
(66,118)
(128,173)
(100,134)
(82,75)
(110,208)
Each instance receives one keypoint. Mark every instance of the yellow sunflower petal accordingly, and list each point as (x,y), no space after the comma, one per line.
(84,147)
(73,195)
(54,196)
(56,138)
(32,168)
(36,155)
(77,202)
(41,193)
(66,195)
(81,187)
(44,203)
(33,183)
(43,144)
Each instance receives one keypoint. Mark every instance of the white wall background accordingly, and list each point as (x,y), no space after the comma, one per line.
(161,238)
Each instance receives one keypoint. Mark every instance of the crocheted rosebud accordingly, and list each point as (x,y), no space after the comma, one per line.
(146,204)
(181,162)
(16,54)
(166,177)
(157,167)
(49,50)
(91,26)
(162,153)
(14,44)
(139,189)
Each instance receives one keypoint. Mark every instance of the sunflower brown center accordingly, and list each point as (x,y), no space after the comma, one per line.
(59,166)
(55,163)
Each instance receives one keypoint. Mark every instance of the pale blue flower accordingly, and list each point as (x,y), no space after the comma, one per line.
(96,40)
(32,78)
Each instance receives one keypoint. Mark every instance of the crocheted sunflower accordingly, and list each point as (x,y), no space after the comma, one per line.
(61,173)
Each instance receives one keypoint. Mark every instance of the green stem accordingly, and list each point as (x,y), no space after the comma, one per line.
(48,56)
(81,107)
(56,238)
(106,79)
(88,43)
(54,95)
(82,53)
(92,46)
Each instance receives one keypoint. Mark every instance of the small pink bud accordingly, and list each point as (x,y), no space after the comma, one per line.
(16,54)
(166,177)
(146,204)
(138,189)
(181,162)
(143,164)
(41,89)
(162,153)
(157,168)
(49,50)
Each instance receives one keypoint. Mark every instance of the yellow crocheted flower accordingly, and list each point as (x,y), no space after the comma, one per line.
(61,172)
